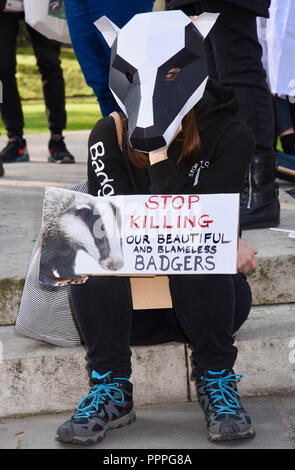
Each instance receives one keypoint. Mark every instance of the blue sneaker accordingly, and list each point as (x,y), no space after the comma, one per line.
(108,405)
(219,400)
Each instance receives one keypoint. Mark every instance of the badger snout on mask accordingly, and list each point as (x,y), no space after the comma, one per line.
(74,229)
(158,72)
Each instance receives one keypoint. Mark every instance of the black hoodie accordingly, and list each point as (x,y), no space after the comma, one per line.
(259,7)
(226,147)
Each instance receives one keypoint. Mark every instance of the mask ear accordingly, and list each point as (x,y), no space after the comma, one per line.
(205,22)
(108,29)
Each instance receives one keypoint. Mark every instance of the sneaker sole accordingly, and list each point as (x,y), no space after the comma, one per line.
(249,434)
(21,158)
(65,160)
(118,423)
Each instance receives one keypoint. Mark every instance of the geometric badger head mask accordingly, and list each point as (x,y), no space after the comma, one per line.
(158,71)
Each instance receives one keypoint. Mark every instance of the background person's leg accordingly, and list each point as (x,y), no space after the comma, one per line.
(91,51)
(284,117)
(12,114)
(47,54)
(285,125)
(237,56)
(90,47)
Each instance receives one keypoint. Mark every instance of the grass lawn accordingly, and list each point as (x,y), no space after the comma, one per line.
(82,108)
(81,114)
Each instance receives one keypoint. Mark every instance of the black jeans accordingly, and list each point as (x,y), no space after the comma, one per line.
(207,310)
(47,55)
(234,59)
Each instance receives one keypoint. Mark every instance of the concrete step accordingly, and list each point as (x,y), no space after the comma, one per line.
(39,378)
(272,283)
(22,192)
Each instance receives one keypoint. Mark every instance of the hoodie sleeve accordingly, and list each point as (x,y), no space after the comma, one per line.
(224,175)
(230,162)
(107,172)
(167,179)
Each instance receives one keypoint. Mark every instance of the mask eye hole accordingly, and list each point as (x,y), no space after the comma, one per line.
(129,77)
(172,74)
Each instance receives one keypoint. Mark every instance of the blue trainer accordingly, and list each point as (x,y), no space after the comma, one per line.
(219,400)
(108,405)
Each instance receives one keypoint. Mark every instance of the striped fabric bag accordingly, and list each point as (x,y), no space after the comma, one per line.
(46,312)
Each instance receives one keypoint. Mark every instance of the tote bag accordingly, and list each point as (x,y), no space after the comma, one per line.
(48,18)
(46,312)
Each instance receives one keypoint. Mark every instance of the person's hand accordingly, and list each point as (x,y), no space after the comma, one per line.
(247,261)
(65,282)
(161,154)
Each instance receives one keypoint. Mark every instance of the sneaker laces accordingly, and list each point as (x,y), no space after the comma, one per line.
(223,392)
(96,397)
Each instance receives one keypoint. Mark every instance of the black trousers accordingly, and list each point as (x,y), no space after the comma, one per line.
(47,55)
(234,58)
(207,310)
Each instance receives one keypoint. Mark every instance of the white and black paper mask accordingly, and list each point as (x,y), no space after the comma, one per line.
(143,52)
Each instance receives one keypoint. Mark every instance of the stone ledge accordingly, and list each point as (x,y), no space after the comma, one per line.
(40,378)
(274,280)
(272,283)
(265,343)
(36,377)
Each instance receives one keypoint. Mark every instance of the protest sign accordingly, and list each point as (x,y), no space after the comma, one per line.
(137,235)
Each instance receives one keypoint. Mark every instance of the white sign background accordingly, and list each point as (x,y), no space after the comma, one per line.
(166,234)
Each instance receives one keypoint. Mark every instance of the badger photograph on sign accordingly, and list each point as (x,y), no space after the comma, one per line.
(83,235)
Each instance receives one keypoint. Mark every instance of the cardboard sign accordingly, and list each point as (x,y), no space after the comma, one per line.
(150,292)
(137,235)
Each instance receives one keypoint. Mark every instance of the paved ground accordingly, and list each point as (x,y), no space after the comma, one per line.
(179,426)
(21,194)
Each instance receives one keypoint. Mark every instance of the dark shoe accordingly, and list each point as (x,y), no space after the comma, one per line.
(58,152)
(15,151)
(259,203)
(108,405)
(219,399)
